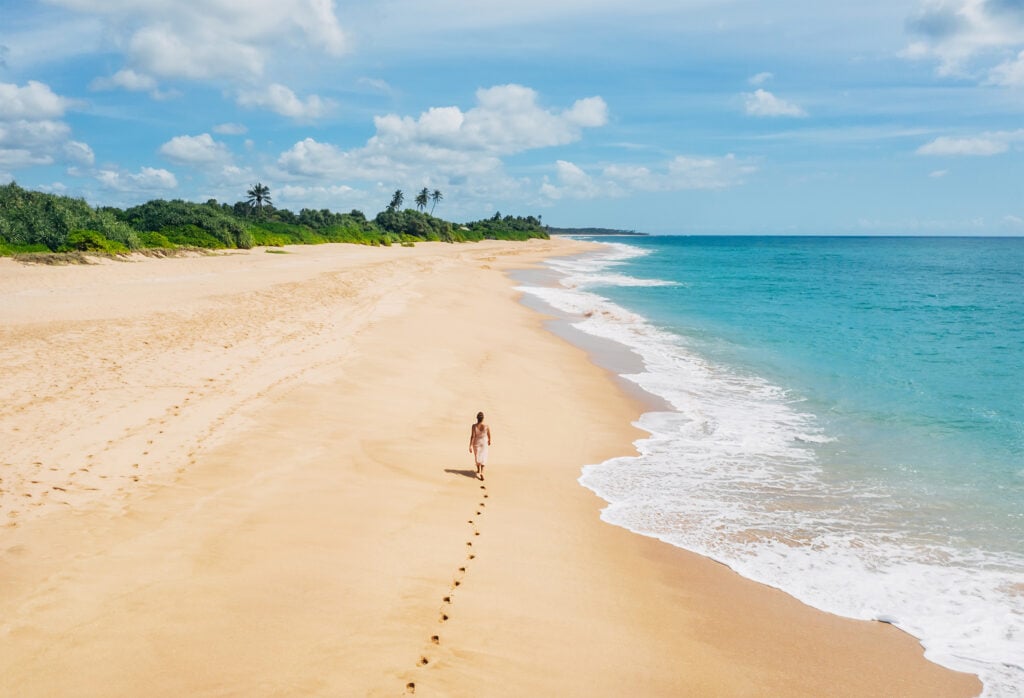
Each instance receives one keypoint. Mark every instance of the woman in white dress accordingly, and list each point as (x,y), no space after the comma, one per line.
(479,440)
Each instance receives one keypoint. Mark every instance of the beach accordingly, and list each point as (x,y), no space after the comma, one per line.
(247,474)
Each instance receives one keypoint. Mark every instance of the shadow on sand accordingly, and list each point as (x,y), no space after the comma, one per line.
(466,473)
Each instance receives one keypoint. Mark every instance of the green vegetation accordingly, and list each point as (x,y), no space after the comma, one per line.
(34,222)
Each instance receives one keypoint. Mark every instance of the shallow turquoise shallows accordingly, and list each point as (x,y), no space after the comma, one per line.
(847,421)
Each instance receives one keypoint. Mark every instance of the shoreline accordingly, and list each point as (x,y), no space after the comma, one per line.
(308,543)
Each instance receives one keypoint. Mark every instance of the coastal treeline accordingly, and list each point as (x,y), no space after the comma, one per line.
(33,221)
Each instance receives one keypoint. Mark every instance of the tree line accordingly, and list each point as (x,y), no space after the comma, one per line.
(33,221)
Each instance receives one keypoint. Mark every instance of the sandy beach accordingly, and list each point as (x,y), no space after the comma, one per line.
(246,474)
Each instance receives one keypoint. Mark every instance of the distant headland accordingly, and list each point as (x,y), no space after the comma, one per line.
(589,231)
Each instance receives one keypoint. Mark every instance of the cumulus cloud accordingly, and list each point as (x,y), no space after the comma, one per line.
(230,129)
(985,144)
(938,174)
(760,78)
(764,103)
(79,153)
(195,150)
(147,179)
(17,158)
(30,132)
(33,101)
(507,119)
(197,39)
(969,37)
(572,182)
(680,173)
(282,100)
(125,79)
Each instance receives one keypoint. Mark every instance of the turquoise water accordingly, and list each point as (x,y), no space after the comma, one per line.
(847,422)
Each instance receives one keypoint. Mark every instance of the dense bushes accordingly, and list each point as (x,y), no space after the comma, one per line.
(30,219)
(39,222)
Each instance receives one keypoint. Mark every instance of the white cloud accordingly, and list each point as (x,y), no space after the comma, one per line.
(147,179)
(35,135)
(963,36)
(199,39)
(760,78)
(944,145)
(1015,221)
(1009,73)
(79,153)
(323,196)
(572,183)
(764,103)
(938,174)
(680,173)
(33,101)
(993,143)
(506,120)
(282,100)
(195,150)
(447,142)
(29,133)
(17,158)
(230,129)
(125,79)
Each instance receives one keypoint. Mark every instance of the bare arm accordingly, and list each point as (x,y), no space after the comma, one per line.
(488,436)
(471,429)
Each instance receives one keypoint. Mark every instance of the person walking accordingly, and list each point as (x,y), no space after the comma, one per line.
(479,440)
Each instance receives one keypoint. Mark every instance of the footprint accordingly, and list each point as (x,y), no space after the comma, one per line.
(410,687)
(471,557)
(462,569)
(468,542)
(424,661)
(476,533)
(435,639)
(444,617)
(447,599)
(485,496)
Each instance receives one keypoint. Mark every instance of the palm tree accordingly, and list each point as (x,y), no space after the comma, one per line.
(259,194)
(435,196)
(396,200)
(422,198)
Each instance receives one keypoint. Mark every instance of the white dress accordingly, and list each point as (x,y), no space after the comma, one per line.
(480,445)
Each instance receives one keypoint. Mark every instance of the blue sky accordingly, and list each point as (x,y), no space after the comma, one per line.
(688,116)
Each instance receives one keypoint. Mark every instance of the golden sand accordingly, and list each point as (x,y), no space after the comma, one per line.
(247,475)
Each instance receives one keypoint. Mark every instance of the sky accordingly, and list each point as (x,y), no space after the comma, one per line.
(663,116)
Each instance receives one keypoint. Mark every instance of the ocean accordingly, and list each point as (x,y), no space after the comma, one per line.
(846,421)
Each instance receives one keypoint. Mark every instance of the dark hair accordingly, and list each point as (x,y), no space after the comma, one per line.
(479,417)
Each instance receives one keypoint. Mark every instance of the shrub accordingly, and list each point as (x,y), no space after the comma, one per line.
(91,241)
(192,236)
(150,239)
